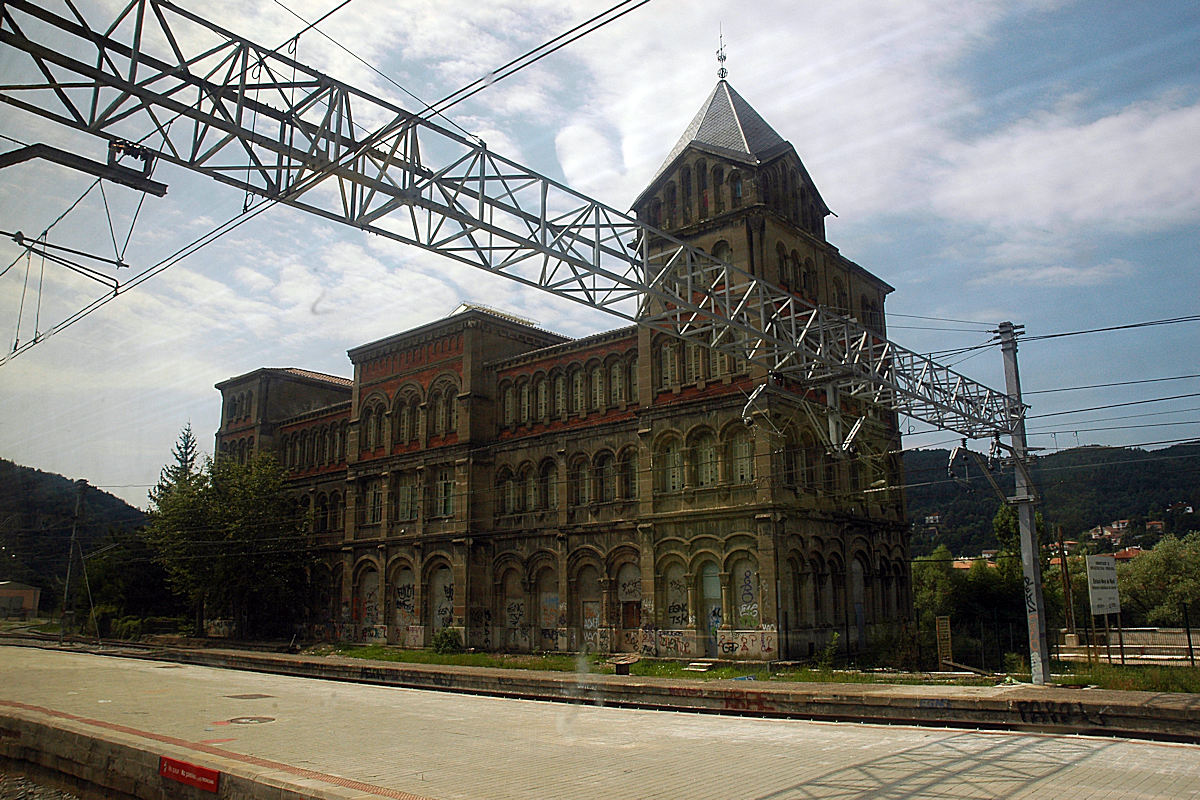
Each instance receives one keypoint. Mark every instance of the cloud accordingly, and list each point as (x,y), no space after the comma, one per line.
(1134,171)
(1059,275)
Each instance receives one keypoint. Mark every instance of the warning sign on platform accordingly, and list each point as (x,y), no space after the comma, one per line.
(1102,585)
(201,777)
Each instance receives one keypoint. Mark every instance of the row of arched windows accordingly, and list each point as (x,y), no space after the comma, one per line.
(704,459)
(682,363)
(315,447)
(578,389)
(328,511)
(414,415)
(404,494)
(241,450)
(784,190)
(708,195)
(796,274)
(238,406)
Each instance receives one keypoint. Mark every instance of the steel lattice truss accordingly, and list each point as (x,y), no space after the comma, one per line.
(201,97)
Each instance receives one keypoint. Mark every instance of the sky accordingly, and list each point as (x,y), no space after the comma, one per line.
(1036,162)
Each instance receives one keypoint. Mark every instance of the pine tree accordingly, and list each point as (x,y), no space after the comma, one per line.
(185,453)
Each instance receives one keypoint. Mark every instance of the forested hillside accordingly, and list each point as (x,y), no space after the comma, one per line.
(36,511)
(1080,488)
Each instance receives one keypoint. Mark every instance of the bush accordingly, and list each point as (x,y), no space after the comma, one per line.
(127,628)
(447,640)
(825,658)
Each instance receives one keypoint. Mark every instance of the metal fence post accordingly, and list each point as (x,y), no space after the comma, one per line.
(1187,626)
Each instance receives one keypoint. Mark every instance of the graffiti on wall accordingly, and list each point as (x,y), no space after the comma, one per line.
(675,643)
(747,616)
(748,644)
(677,610)
(591,626)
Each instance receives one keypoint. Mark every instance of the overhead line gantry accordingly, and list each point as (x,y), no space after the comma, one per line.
(167,84)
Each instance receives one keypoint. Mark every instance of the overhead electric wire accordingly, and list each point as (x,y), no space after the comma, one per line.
(249,212)
(1025,393)
(1113,405)
(1132,325)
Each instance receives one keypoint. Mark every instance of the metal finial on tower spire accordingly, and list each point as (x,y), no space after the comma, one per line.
(721,71)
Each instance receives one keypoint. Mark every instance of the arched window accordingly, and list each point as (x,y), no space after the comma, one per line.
(403,424)
(685,181)
(716,363)
(633,380)
(669,465)
(374,501)
(560,396)
(735,189)
(616,383)
(670,209)
(548,480)
(436,420)
(704,452)
(529,489)
(793,459)
(781,265)
(578,391)
(744,590)
(627,474)
(606,478)
(541,395)
(693,363)
(702,187)
(579,484)
(597,388)
(526,409)
(444,492)
(509,404)
(406,496)
(668,363)
(510,503)
(741,457)
(718,189)
(451,406)
(722,251)
(372,437)
(839,301)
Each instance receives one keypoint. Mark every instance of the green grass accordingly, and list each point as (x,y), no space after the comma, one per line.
(1137,678)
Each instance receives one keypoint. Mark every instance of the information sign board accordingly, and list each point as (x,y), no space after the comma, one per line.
(1102,585)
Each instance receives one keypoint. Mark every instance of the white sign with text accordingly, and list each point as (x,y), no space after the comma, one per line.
(1102,585)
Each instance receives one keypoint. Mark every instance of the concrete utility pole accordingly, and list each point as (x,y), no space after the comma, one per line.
(1025,497)
(62,622)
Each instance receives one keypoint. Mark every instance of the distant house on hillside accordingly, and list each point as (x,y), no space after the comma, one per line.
(19,600)
(1128,554)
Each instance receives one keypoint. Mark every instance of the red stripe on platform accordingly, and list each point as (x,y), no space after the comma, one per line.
(201,747)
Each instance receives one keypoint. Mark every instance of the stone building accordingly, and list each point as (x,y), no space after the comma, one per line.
(610,493)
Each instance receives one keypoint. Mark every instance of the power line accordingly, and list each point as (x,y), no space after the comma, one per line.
(1114,405)
(249,212)
(1130,326)
(1107,385)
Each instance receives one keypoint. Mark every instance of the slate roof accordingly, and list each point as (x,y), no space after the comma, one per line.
(727,125)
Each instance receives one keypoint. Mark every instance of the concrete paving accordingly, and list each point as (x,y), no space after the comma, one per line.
(288,737)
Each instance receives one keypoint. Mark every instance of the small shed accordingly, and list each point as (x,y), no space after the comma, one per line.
(19,600)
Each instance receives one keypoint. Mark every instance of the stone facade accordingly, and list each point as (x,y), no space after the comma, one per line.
(613,493)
